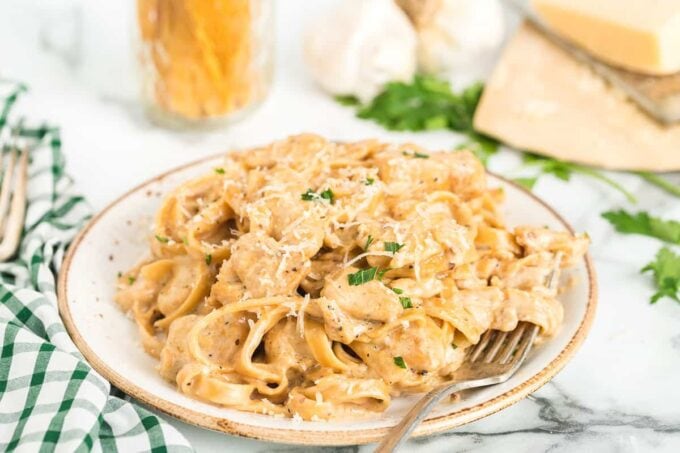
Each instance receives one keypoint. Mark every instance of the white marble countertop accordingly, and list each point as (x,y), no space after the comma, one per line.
(619,394)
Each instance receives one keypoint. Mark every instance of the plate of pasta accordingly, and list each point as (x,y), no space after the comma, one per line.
(307,291)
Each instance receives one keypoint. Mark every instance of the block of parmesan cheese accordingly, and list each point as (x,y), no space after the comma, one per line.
(640,35)
(540,99)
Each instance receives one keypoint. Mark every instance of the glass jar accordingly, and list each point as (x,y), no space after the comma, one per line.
(204,62)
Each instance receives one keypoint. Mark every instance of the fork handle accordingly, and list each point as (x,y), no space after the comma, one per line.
(400,433)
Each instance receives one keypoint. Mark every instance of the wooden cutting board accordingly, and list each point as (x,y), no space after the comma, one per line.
(541,99)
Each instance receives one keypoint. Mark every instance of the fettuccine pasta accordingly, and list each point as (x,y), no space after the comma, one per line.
(319,280)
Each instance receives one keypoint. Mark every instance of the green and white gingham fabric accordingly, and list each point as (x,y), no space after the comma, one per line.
(50,398)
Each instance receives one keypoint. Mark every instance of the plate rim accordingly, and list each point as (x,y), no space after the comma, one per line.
(317,437)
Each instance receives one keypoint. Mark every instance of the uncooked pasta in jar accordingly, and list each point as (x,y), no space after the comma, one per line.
(204,59)
(316,279)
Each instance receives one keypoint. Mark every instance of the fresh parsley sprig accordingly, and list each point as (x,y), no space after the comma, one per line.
(666,272)
(644,224)
(564,171)
(660,182)
(428,103)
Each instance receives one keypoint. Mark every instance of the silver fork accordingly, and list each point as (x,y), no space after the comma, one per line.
(491,361)
(12,196)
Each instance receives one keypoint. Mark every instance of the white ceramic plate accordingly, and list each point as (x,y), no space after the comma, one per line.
(116,239)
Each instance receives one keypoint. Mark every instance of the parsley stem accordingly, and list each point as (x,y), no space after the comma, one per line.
(660,182)
(601,177)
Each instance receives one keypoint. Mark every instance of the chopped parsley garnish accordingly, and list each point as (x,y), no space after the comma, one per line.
(398,290)
(120,274)
(185,241)
(366,275)
(416,154)
(208,259)
(369,181)
(666,272)
(453,345)
(325,195)
(131,279)
(219,171)
(369,241)
(362,276)
(309,195)
(162,239)
(406,302)
(328,195)
(644,224)
(393,247)
(399,361)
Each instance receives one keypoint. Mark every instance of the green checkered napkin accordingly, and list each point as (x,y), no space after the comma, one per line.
(50,398)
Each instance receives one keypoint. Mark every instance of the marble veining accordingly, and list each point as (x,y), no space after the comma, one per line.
(619,393)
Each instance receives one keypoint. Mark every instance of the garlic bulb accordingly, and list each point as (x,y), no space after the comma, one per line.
(455,34)
(360,47)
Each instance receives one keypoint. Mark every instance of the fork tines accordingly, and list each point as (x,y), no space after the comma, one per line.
(12,198)
(500,347)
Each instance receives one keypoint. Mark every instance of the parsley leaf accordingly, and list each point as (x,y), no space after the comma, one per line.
(660,182)
(666,272)
(393,247)
(453,345)
(362,276)
(347,100)
(369,241)
(398,290)
(426,103)
(399,361)
(406,302)
(528,183)
(369,181)
(208,259)
(219,171)
(564,170)
(328,195)
(131,279)
(162,239)
(310,195)
(644,224)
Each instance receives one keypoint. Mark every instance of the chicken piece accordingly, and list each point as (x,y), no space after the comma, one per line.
(286,349)
(421,344)
(322,266)
(175,352)
(370,301)
(405,174)
(466,174)
(536,239)
(267,268)
(531,272)
(429,240)
(228,288)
